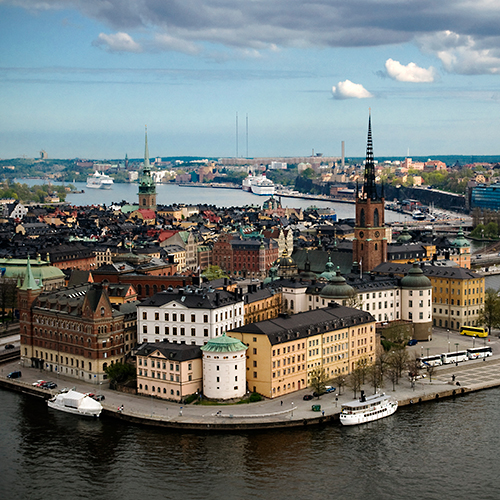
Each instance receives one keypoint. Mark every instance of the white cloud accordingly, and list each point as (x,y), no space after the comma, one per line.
(409,73)
(118,42)
(464,54)
(350,90)
(167,42)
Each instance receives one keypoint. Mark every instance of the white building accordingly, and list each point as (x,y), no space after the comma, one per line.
(189,315)
(224,368)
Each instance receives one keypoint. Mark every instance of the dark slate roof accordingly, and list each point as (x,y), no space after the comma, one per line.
(171,351)
(259,294)
(193,298)
(319,258)
(429,268)
(305,324)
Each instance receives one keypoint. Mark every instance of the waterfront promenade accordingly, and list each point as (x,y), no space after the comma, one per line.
(290,410)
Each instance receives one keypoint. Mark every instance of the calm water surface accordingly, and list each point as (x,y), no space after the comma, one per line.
(171,193)
(434,451)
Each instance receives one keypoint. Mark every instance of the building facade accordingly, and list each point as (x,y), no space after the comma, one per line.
(189,315)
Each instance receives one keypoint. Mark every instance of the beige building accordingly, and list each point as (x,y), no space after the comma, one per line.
(169,371)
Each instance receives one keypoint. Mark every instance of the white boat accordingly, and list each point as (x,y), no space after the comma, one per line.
(77,403)
(99,181)
(367,409)
(258,184)
(419,215)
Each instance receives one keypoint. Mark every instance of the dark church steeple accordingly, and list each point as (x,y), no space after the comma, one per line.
(369,186)
(370,242)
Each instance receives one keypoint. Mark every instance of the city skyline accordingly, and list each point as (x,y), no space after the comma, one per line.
(81,79)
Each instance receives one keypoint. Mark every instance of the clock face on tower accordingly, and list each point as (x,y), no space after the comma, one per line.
(361,234)
(377,234)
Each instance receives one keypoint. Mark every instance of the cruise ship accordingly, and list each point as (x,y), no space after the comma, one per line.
(99,181)
(259,184)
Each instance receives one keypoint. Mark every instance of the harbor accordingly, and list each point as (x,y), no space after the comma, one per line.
(290,411)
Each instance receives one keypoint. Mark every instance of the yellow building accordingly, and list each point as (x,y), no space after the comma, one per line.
(458,296)
(261,304)
(282,352)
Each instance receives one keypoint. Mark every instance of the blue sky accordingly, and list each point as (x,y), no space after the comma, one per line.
(81,78)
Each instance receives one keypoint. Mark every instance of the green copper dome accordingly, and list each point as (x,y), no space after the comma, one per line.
(224,344)
(460,241)
(416,278)
(405,236)
(328,274)
(337,288)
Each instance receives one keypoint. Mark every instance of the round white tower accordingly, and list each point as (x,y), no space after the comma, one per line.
(224,368)
(416,302)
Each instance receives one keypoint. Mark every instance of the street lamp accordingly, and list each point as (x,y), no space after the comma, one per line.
(456,350)
(473,341)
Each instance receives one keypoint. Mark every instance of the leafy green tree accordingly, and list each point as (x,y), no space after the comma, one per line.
(318,380)
(119,373)
(489,315)
(213,273)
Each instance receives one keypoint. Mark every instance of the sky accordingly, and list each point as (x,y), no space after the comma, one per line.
(82,78)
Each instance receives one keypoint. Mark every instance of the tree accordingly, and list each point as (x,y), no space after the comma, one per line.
(318,380)
(355,379)
(120,373)
(213,273)
(489,315)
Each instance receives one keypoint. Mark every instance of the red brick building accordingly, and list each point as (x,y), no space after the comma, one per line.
(247,257)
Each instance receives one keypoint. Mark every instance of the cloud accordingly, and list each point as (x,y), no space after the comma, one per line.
(409,73)
(464,54)
(250,27)
(119,42)
(349,90)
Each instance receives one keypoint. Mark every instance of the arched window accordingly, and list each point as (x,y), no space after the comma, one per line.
(362,218)
(139,289)
(147,290)
(376,218)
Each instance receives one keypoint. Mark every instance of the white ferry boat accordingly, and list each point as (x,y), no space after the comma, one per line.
(76,403)
(259,184)
(367,408)
(99,181)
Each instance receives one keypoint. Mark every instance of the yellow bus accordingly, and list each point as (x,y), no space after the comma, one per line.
(473,331)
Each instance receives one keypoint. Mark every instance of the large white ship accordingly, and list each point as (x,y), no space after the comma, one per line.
(99,181)
(258,184)
(367,408)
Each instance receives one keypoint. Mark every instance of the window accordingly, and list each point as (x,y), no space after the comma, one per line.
(205,318)
(157,316)
(144,315)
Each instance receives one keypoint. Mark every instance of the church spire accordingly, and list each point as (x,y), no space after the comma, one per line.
(29,282)
(146,151)
(370,188)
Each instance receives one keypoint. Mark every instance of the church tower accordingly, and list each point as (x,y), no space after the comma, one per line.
(147,186)
(370,243)
(26,295)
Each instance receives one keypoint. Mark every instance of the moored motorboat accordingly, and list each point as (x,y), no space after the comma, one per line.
(367,409)
(76,403)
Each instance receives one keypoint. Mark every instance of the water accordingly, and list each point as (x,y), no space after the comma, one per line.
(168,194)
(434,451)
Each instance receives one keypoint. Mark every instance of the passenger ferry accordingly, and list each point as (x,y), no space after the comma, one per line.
(367,409)
(99,181)
(259,184)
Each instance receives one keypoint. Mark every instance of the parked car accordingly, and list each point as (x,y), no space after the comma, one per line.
(16,374)
(413,342)
(49,385)
(307,397)
(10,346)
(99,397)
(329,389)
(38,383)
